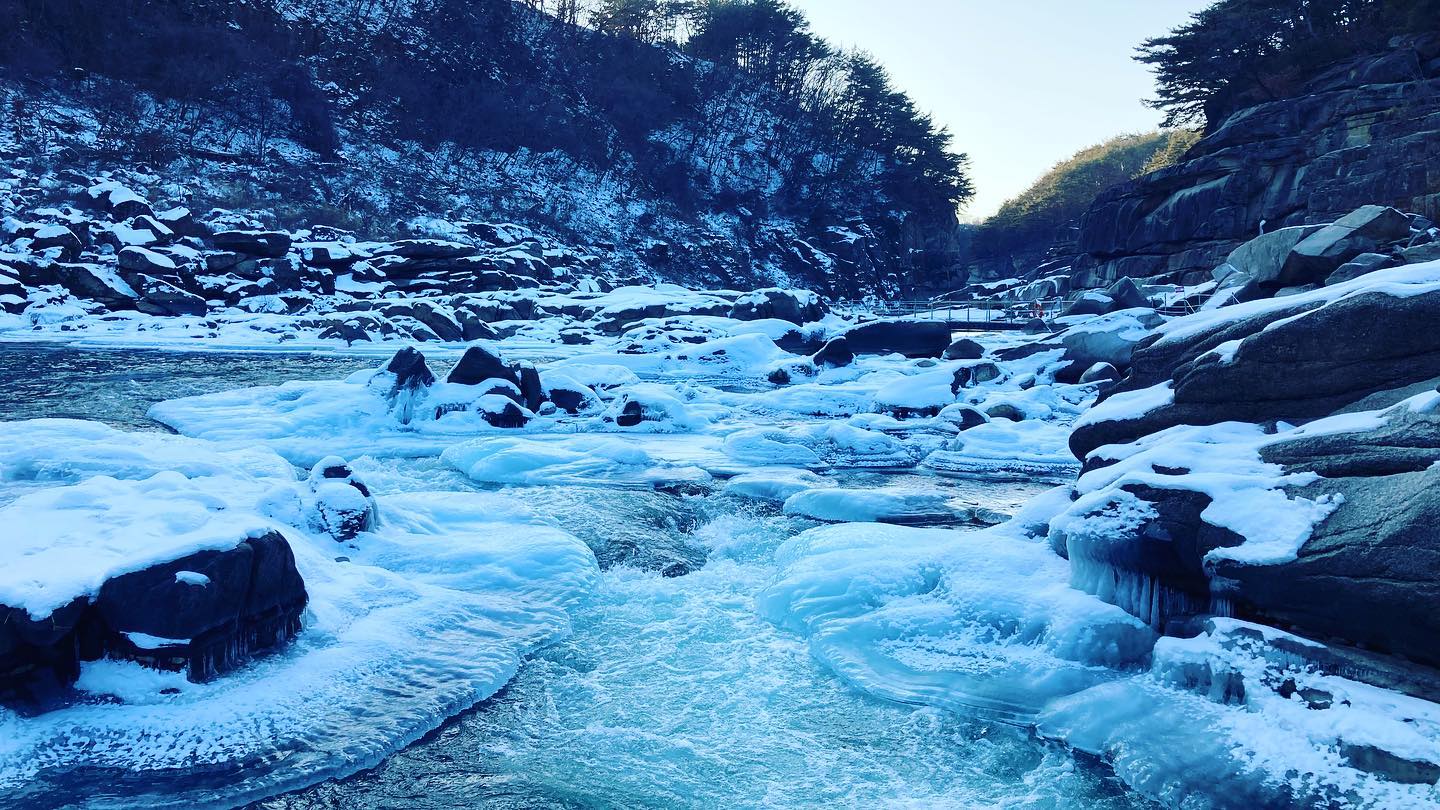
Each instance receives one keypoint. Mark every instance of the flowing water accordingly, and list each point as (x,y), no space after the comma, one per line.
(672,692)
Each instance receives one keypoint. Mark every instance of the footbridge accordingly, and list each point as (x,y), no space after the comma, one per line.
(964,316)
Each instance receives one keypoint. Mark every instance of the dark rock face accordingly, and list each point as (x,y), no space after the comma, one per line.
(1100,372)
(795,306)
(267,244)
(910,338)
(410,370)
(1350,138)
(631,415)
(205,613)
(964,349)
(836,353)
(161,298)
(480,364)
(1299,369)
(65,239)
(502,412)
(973,375)
(341,504)
(571,398)
(532,393)
(964,417)
(87,281)
(1367,573)
(1155,571)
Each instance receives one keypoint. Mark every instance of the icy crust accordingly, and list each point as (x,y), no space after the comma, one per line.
(1401,282)
(425,616)
(65,543)
(963,620)
(61,450)
(1248,496)
(566,460)
(1002,449)
(1235,717)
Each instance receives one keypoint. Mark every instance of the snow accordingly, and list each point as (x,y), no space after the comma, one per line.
(775,484)
(868,505)
(1002,448)
(65,543)
(1129,405)
(434,609)
(1248,496)
(192,578)
(431,613)
(1400,282)
(146,641)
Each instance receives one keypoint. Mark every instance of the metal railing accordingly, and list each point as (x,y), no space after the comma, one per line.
(978,311)
(986,310)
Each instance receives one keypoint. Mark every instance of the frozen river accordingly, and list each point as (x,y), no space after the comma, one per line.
(671,692)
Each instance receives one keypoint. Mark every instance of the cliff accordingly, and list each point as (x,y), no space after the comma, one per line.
(1364,131)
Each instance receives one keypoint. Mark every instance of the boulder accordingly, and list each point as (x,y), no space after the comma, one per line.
(204,613)
(120,201)
(632,413)
(1091,303)
(96,283)
(1005,410)
(1100,372)
(973,374)
(1127,295)
(964,349)
(410,375)
(1427,252)
(912,338)
(963,417)
(1357,267)
(836,353)
(1367,573)
(57,236)
(427,249)
(532,393)
(340,503)
(142,260)
(410,370)
(265,244)
(795,306)
(479,364)
(570,396)
(1322,252)
(351,330)
(473,327)
(182,222)
(1262,262)
(162,298)
(502,412)
(1155,570)
(1290,363)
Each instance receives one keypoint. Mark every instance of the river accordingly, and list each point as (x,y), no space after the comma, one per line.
(671,692)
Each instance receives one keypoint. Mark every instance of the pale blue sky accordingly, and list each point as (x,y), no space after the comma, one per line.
(1022,84)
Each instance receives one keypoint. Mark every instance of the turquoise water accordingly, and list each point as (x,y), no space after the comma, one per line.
(670,693)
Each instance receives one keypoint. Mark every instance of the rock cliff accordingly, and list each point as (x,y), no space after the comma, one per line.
(1364,131)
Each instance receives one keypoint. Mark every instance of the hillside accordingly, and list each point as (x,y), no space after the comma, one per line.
(1040,223)
(718,145)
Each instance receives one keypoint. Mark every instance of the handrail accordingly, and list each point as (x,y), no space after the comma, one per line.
(1008,311)
(974,310)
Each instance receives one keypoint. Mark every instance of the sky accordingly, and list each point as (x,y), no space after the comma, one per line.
(1021,84)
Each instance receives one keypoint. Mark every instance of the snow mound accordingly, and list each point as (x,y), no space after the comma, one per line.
(415,621)
(1003,449)
(963,620)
